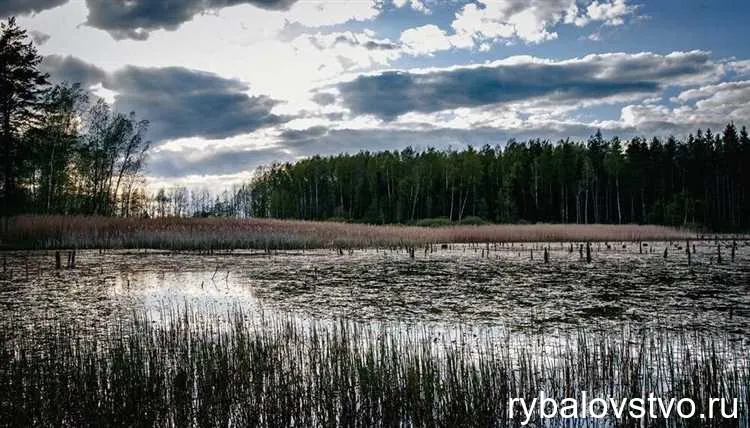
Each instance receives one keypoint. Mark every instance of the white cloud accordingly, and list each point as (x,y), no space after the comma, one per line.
(706,106)
(611,13)
(426,39)
(347,50)
(741,68)
(210,182)
(473,21)
(533,21)
(417,5)
(323,13)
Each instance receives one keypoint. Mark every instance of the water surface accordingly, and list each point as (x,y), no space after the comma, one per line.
(507,286)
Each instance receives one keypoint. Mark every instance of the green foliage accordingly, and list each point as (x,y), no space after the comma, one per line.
(433,222)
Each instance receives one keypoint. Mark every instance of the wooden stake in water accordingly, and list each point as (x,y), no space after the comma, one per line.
(588,252)
(546,256)
(718,253)
(734,246)
(58,264)
(666,252)
(687,251)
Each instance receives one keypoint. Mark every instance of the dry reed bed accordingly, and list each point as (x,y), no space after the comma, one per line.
(340,374)
(50,232)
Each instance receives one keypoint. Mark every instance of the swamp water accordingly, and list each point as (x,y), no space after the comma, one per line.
(504,286)
(483,301)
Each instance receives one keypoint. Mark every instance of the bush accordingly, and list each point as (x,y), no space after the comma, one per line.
(473,221)
(433,222)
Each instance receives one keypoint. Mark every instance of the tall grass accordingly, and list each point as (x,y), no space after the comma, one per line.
(50,232)
(193,371)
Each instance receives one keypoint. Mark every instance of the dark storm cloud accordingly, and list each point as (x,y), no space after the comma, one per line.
(187,103)
(392,93)
(26,7)
(178,102)
(383,46)
(134,19)
(304,134)
(72,70)
(324,98)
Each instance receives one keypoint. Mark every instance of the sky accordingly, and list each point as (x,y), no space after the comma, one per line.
(231,85)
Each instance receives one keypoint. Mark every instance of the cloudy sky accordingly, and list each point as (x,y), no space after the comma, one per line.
(229,85)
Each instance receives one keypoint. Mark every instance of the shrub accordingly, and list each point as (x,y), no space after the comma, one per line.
(473,221)
(433,222)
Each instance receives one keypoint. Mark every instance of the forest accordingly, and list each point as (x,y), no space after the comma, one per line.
(62,149)
(701,181)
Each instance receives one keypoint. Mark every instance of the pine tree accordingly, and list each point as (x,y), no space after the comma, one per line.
(21,88)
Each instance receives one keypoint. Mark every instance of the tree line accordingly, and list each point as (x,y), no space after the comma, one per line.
(702,180)
(62,151)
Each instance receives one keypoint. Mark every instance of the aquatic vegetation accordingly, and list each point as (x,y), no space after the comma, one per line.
(187,369)
(50,232)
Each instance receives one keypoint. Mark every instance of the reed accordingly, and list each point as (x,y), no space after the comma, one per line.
(58,232)
(186,370)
